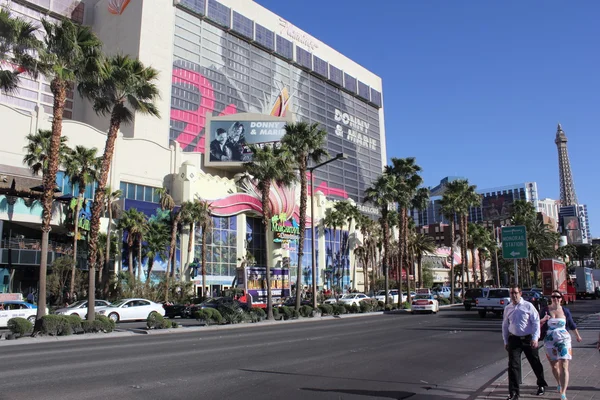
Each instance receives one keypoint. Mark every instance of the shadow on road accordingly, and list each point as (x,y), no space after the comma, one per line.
(326,376)
(372,393)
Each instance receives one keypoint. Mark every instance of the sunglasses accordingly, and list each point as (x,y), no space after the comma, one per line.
(557,297)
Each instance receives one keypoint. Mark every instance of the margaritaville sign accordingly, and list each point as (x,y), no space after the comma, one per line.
(283,229)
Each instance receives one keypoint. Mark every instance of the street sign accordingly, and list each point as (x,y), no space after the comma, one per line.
(514,242)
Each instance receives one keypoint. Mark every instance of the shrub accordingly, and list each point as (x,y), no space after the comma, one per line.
(105,324)
(339,309)
(306,311)
(19,326)
(276,313)
(56,325)
(174,324)
(405,305)
(231,313)
(380,305)
(326,309)
(75,322)
(443,301)
(209,316)
(352,308)
(255,314)
(368,305)
(286,312)
(156,321)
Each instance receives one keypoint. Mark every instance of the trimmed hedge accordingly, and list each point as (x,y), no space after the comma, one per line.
(19,326)
(326,309)
(255,314)
(306,311)
(56,325)
(101,323)
(339,309)
(157,321)
(209,316)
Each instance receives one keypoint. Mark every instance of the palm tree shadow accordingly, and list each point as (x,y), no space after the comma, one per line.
(371,393)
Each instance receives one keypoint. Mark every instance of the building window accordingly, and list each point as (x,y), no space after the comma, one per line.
(303,57)
(221,245)
(219,13)
(256,244)
(133,191)
(335,74)
(306,261)
(264,37)
(196,6)
(243,25)
(363,90)
(350,83)
(337,262)
(376,97)
(320,66)
(66,187)
(285,47)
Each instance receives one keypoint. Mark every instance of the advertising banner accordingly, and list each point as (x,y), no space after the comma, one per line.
(255,283)
(497,207)
(230,140)
(573,230)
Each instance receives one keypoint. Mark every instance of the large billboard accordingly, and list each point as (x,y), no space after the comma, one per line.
(230,139)
(497,207)
(573,230)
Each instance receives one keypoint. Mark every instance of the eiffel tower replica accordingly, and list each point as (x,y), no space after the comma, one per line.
(567,187)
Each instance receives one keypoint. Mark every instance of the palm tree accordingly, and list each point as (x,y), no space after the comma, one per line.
(333,219)
(157,240)
(408,179)
(70,52)
(38,148)
(134,222)
(448,207)
(18,46)
(348,212)
(269,165)
(366,226)
(205,222)
(112,207)
(304,142)
(419,244)
(122,87)
(541,243)
(381,194)
(476,241)
(188,217)
(82,167)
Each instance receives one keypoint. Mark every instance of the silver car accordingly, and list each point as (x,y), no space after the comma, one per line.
(80,308)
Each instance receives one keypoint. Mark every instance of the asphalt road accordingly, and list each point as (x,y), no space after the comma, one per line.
(394,356)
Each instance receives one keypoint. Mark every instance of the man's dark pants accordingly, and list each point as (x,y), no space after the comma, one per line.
(516,346)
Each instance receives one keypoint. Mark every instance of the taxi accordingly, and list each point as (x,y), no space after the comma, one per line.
(425,303)
(14,308)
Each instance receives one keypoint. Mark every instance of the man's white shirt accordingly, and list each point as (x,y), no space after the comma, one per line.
(521,319)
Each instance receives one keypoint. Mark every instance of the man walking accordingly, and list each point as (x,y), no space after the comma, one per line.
(521,331)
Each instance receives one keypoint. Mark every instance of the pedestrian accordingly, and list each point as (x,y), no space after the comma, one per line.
(30,297)
(521,331)
(556,324)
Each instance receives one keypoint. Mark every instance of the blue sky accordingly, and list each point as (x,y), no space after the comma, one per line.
(476,88)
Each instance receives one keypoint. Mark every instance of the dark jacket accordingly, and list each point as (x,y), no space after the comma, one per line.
(570,323)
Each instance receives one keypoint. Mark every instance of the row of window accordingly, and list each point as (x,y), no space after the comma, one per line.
(244,26)
(133,191)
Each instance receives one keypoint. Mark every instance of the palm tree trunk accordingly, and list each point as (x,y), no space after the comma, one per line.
(76,232)
(473,267)
(481,264)
(204,234)
(302,165)
(452,261)
(171,262)
(140,260)
(386,253)
(109,150)
(266,218)
(59,90)
(404,222)
(130,255)
(463,254)
(189,254)
(106,276)
(420,267)
(150,265)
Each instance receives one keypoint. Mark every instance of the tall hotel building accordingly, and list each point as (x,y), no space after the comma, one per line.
(226,63)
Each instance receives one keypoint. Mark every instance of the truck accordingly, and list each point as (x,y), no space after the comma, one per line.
(554,277)
(253,282)
(495,301)
(584,282)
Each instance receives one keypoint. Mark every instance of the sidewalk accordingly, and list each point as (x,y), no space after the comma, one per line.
(584,382)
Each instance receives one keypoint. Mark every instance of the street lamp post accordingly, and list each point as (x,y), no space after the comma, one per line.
(339,156)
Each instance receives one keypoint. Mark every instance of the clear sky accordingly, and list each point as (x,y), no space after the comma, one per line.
(476,88)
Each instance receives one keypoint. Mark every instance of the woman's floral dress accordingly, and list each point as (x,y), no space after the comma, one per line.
(558,340)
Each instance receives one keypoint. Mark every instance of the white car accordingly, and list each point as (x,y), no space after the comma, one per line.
(14,308)
(425,303)
(131,309)
(392,296)
(353,298)
(80,308)
(405,296)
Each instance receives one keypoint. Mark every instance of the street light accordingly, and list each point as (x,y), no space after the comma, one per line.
(339,156)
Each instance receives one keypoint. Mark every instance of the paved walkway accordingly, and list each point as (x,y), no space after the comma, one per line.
(584,383)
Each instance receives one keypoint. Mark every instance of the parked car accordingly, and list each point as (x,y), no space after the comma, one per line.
(80,308)
(175,310)
(443,291)
(471,296)
(535,298)
(131,309)
(15,308)
(425,303)
(216,303)
(353,298)
(291,302)
(392,296)
(405,296)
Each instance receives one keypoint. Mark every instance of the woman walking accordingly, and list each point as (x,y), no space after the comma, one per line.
(555,327)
